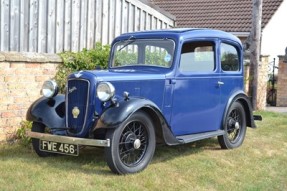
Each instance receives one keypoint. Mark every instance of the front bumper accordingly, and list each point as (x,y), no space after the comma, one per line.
(69,140)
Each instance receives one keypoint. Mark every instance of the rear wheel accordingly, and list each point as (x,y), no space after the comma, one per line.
(39,128)
(234,127)
(132,144)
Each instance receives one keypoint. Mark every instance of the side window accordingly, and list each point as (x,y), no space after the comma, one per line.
(229,58)
(197,57)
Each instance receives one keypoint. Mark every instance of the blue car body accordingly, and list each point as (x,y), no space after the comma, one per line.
(189,102)
(186,103)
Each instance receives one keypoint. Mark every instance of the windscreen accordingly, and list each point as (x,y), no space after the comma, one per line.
(147,52)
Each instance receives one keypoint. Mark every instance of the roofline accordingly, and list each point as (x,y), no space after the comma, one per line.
(162,11)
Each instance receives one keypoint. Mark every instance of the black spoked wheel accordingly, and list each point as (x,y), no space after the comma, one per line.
(234,126)
(40,128)
(132,145)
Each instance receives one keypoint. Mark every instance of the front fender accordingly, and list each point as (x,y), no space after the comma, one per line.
(48,111)
(115,115)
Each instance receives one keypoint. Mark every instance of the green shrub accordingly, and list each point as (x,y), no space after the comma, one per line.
(21,133)
(84,60)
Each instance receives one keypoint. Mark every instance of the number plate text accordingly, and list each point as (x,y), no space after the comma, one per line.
(61,148)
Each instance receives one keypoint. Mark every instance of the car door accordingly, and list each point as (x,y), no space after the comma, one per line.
(231,70)
(196,93)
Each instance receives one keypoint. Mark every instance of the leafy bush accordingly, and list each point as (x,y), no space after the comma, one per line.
(21,132)
(84,60)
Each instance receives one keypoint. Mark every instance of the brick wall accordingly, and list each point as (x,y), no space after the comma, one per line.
(21,78)
(281,100)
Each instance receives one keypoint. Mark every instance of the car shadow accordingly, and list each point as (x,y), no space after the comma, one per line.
(92,159)
(165,153)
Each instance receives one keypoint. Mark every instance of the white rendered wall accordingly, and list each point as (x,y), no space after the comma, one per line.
(274,35)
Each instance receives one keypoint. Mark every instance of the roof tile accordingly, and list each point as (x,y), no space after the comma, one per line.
(228,15)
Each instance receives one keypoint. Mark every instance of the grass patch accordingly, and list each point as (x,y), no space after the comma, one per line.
(259,164)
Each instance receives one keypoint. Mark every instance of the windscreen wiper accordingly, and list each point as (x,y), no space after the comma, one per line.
(129,41)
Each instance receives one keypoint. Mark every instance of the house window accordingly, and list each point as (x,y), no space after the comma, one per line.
(229,58)
(197,57)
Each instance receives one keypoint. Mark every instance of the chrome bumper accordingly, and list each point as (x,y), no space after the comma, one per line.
(69,140)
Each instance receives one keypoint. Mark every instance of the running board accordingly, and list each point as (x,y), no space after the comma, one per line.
(199,136)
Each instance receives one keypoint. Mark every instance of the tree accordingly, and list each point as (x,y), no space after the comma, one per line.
(253,43)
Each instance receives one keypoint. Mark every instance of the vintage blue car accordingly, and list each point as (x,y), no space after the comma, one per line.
(170,86)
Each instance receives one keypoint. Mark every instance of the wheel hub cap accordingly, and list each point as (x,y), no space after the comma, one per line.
(137,144)
(236,126)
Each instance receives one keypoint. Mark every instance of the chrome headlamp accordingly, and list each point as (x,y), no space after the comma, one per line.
(50,89)
(105,91)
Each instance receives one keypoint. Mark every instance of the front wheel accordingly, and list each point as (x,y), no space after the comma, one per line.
(132,144)
(234,127)
(39,128)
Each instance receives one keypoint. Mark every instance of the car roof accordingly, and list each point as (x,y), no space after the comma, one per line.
(180,33)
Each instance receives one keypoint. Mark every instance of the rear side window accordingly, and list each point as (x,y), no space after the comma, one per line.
(229,58)
(197,57)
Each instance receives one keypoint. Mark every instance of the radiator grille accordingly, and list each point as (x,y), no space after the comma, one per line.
(77,104)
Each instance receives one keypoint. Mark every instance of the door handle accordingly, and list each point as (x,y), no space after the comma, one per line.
(220,83)
(172,81)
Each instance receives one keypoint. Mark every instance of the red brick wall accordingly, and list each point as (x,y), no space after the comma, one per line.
(21,78)
(282,84)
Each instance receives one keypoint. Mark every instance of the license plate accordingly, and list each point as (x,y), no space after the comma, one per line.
(60,148)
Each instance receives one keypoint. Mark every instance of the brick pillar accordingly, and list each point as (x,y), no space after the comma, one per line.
(262,82)
(281,100)
(247,79)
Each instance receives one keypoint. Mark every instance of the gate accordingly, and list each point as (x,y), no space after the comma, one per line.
(271,85)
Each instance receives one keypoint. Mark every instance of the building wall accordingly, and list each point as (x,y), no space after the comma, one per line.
(274,35)
(281,100)
(52,26)
(21,78)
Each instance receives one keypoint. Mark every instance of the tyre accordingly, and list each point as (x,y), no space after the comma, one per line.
(234,127)
(132,144)
(40,128)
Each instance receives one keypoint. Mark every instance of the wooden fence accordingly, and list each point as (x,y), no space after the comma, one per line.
(52,26)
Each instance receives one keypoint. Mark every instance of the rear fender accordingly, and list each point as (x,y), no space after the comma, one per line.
(48,111)
(241,97)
